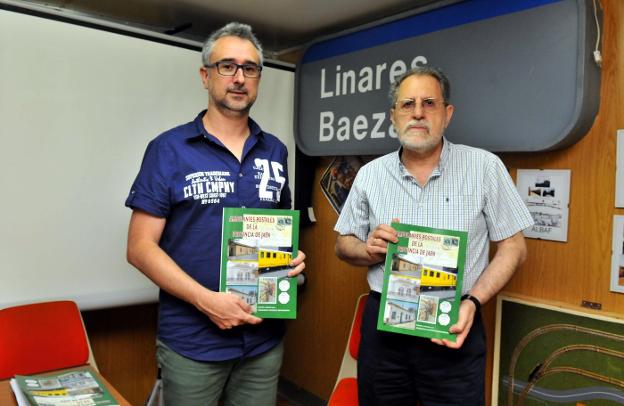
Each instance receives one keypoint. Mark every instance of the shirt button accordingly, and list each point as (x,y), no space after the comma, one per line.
(240,175)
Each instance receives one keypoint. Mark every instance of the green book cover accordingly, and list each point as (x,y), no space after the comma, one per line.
(71,388)
(422,283)
(257,247)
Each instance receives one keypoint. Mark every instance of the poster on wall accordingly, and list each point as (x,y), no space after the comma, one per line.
(617,256)
(547,354)
(337,180)
(619,171)
(547,195)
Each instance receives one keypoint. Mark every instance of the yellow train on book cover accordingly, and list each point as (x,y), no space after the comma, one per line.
(268,259)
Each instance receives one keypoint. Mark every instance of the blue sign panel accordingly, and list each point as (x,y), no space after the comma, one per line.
(522,77)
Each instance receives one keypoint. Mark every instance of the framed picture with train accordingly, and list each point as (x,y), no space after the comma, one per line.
(548,353)
(546,192)
(617,255)
(256,250)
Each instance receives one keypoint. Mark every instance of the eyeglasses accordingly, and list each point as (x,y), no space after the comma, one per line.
(227,68)
(408,106)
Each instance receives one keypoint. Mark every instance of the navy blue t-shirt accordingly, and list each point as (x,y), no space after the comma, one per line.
(187,176)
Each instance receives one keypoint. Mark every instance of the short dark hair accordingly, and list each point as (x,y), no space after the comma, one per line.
(233,29)
(435,73)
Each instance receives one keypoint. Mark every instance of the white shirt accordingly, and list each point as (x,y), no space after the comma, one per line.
(470,190)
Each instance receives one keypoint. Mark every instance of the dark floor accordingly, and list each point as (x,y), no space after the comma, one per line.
(289,394)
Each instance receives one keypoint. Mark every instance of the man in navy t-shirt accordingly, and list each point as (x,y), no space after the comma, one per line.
(210,346)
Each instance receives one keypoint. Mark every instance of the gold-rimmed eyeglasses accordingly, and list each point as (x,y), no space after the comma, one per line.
(408,106)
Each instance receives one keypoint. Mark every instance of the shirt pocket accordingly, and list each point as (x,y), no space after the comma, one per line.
(460,212)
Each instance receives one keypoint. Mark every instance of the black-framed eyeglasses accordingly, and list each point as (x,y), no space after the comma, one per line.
(407,106)
(228,68)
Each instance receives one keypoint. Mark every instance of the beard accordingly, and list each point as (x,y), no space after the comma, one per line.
(419,143)
(230,102)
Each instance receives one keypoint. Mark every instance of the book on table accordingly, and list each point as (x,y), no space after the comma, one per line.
(78,387)
(257,247)
(422,284)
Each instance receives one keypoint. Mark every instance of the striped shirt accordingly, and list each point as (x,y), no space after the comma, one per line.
(470,190)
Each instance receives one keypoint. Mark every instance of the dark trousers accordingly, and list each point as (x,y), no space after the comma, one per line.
(398,369)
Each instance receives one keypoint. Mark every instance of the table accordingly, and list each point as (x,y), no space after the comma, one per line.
(8,399)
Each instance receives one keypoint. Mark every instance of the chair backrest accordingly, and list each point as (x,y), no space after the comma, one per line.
(42,337)
(355,336)
(348,368)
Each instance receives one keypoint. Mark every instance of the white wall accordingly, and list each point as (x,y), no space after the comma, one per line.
(77,109)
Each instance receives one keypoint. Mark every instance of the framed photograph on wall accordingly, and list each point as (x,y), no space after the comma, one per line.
(619,170)
(337,179)
(617,255)
(547,195)
(545,354)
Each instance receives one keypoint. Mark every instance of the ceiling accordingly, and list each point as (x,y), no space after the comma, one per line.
(283,26)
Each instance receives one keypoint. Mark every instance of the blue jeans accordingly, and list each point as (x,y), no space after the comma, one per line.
(237,382)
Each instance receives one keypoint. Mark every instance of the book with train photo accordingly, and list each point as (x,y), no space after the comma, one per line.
(257,248)
(422,283)
(77,387)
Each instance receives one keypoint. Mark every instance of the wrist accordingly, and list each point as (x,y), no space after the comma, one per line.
(474,300)
(203,297)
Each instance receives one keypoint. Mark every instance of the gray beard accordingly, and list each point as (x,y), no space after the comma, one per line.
(418,147)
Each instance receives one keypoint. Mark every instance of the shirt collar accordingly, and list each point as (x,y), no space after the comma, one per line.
(200,130)
(447,148)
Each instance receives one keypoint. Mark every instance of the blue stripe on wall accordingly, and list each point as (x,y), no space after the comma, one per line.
(464,12)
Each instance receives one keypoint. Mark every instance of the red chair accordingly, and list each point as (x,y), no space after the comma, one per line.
(42,337)
(345,392)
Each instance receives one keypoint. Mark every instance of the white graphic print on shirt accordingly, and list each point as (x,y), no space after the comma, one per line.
(268,192)
(210,187)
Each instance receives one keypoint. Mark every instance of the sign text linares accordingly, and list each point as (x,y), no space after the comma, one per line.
(349,82)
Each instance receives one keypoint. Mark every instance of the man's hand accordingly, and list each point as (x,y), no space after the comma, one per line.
(462,327)
(226,310)
(298,264)
(377,242)
(356,252)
